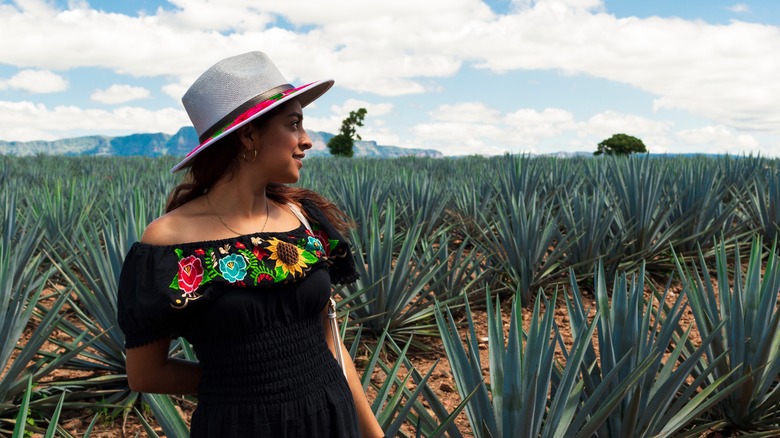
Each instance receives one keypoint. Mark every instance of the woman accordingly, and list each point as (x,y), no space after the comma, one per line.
(241,265)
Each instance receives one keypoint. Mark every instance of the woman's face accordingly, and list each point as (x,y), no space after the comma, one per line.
(280,142)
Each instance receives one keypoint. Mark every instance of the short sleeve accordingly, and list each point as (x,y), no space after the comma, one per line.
(341,262)
(144,308)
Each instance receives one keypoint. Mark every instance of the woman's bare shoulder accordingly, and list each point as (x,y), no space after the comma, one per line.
(161,231)
(174,227)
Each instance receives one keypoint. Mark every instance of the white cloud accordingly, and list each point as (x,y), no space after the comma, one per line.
(36,81)
(175,90)
(739,8)
(372,109)
(225,15)
(373,128)
(722,72)
(28,117)
(467,112)
(718,139)
(473,127)
(119,93)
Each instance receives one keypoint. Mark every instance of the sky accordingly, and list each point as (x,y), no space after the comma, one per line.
(459,76)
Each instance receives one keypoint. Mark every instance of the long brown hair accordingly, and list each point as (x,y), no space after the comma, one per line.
(222,157)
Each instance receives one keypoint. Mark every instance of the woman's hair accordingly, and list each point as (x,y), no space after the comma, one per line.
(221,158)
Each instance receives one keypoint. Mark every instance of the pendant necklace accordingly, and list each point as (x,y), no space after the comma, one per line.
(227,226)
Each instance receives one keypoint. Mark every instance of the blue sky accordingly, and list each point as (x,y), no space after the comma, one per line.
(459,76)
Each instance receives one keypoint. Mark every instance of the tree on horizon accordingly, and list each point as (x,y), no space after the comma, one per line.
(342,143)
(620,144)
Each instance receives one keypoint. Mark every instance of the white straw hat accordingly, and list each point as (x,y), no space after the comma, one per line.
(235,91)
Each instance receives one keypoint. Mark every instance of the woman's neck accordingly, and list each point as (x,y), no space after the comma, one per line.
(238,199)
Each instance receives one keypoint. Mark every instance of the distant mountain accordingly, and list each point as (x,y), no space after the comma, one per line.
(155,145)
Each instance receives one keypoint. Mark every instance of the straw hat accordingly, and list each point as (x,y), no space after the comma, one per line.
(235,91)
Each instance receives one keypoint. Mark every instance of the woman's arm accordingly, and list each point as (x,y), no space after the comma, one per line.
(369,427)
(150,370)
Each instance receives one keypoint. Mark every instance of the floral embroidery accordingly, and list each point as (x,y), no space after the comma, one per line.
(289,258)
(263,277)
(190,274)
(260,253)
(233,267)
(314,245)
(247,264)
(327,243)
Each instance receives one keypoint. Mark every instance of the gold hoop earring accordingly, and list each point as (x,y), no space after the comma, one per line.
(254,157)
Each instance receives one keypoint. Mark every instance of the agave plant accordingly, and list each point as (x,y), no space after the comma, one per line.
(762,204)
(644,207)
(423,197)
(589,221)
(739,312)
(395,404)
(356,191)
(22,282)
(629,328)
(702,195)
(465,272)
(60,206)
(471,199)
(396,288)
(529,394)
(524,175)
(21,424)
(526,243)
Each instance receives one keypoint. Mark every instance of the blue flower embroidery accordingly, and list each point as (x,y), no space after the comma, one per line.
(313,244)
(233,267)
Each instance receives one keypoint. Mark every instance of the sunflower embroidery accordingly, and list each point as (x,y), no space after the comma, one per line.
(289,258)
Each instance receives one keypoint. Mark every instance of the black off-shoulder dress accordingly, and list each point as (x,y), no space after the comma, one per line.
(251,307)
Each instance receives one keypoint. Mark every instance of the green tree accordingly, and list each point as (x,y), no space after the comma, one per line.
(341,144)
(620,144)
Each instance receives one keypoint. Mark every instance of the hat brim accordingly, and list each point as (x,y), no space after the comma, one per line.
(305,94)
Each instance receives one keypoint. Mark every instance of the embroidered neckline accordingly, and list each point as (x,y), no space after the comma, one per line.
(258,259)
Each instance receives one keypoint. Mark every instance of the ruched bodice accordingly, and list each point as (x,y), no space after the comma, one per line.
(271,366)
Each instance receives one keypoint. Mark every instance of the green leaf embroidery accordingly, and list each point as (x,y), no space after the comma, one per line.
(175,283)
(179,253)
(279,274)
(209,272)
(309,258)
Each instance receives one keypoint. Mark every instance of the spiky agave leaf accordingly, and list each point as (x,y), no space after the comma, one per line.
(633,328)
(762,204)
(528,394)
(743,320)
(525,242)
(22,280)
(395,289)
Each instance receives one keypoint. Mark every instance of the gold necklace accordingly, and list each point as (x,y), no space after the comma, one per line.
(227,226)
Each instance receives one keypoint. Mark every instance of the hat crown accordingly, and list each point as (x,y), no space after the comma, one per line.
(227,85)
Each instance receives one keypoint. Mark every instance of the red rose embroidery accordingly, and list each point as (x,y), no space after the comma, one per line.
(240,245)
(200,252)
(190,274)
